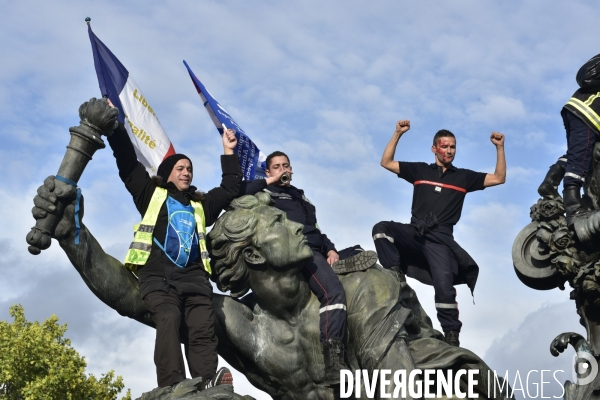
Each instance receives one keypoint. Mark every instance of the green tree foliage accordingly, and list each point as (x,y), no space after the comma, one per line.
(38,363)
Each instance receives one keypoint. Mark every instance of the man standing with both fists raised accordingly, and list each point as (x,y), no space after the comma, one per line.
(425,249)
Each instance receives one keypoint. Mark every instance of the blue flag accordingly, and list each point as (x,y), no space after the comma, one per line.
(252,160)
(151,143)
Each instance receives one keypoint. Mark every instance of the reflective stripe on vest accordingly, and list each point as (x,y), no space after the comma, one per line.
(585,109)
(139,250)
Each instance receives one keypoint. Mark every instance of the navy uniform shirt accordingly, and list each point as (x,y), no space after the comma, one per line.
(437,192)
(297,207)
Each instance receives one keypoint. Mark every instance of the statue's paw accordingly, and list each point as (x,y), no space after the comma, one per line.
(45,202)
(562,341)
(98,114)
(66,226)
(48,195)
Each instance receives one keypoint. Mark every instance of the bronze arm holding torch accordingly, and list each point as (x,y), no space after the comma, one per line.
(97,118)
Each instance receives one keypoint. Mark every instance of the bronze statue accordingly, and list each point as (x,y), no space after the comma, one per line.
(272,334)
(547,254)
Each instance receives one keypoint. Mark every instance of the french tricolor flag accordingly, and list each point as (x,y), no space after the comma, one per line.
(252,160)
(152,145)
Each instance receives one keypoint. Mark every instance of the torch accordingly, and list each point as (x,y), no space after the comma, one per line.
(97,118)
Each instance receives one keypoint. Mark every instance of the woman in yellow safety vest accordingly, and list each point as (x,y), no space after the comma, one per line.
(170,258)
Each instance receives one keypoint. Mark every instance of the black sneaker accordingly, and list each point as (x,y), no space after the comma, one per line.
(223,377)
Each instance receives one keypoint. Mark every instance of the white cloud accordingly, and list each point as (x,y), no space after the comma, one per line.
(527,348)
(324,82)
(525,175)
(496,109)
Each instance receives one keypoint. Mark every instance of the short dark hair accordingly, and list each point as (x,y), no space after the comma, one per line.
(442,133)
(275,154)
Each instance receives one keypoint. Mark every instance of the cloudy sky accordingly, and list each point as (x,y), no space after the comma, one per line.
(324,82)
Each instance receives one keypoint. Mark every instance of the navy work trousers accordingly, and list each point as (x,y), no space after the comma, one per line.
(394,240)
(192,318)
(580,148)
(325,284)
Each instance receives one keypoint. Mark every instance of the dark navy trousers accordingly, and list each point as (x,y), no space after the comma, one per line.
(325,284)
(394,240)
(580,147)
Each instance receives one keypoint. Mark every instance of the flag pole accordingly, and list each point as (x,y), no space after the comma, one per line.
(96,57)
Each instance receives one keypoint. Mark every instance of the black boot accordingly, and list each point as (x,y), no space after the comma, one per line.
(549,187)
(451,337)
(573,205)
(334,352)
(359,262)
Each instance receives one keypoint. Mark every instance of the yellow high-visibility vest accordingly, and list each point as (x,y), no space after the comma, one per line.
(139,250)
(586,106)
